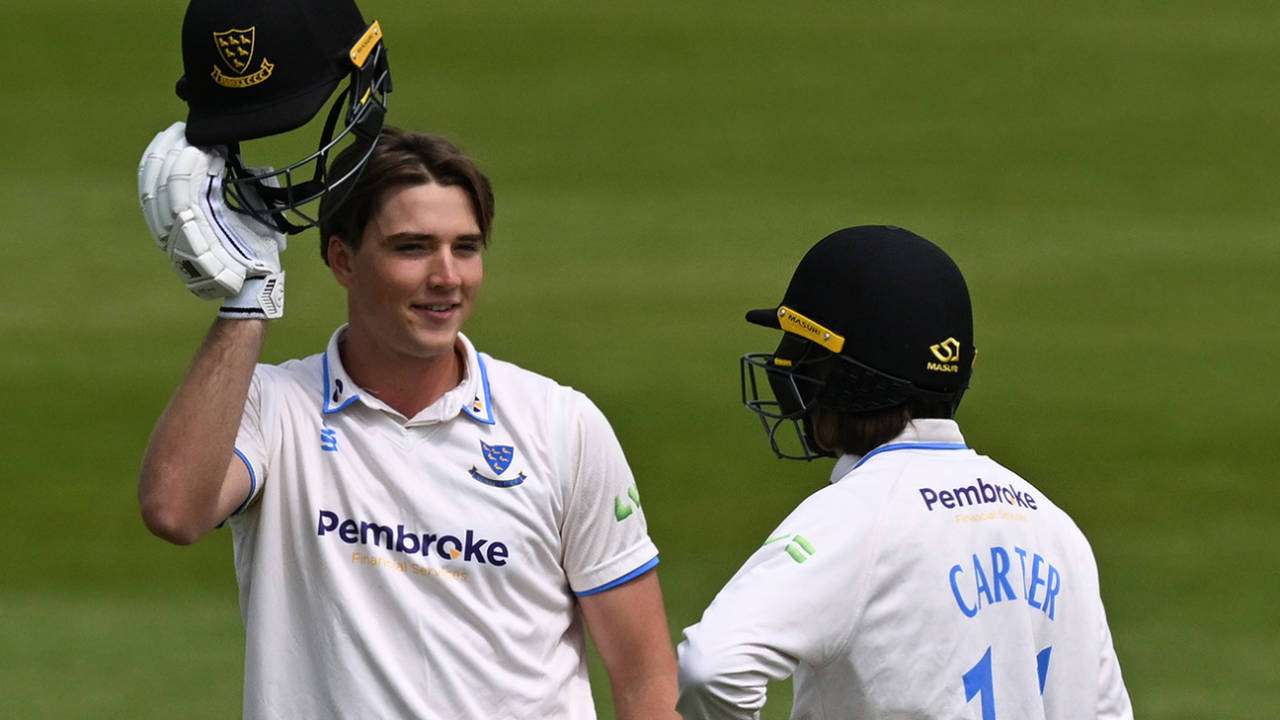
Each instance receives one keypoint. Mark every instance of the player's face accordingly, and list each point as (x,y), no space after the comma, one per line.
(413,281)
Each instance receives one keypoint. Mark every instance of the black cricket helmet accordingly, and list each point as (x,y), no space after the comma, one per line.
(874,316)
(255,69)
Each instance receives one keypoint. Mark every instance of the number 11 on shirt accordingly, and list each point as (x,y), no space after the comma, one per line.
(978,681)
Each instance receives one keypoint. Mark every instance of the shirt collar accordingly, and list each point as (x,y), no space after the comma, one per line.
(471,396)
(920,434)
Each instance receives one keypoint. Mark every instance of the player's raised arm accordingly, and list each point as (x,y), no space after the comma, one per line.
(190,479)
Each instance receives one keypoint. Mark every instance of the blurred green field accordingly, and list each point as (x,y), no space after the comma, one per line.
(1103,172)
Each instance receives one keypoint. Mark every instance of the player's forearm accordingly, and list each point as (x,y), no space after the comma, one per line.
(642,674)
(186,460)
(651,698)
(629,626)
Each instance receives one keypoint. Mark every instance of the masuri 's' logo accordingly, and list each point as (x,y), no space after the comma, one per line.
(947,351)
(235,49)
(948,354)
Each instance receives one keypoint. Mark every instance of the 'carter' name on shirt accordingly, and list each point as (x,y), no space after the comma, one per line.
(448,547)
(1041,583)
(980,494)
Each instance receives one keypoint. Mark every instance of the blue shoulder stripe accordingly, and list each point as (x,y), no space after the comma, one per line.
(622,580)
(910,446)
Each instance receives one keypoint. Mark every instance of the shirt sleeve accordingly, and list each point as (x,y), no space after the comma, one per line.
(606,537)
(766,619)
(1113,698)
(250,444)
(745,640)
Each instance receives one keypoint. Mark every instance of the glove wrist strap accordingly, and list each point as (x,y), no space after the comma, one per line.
(259,298)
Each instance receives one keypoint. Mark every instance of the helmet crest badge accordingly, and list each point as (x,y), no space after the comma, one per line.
(235,49)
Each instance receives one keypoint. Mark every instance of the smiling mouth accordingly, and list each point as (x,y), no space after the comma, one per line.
(435,307)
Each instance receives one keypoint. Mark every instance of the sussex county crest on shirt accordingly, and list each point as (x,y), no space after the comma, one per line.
(498,458)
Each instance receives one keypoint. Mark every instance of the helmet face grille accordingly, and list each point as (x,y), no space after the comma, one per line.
(785,415)
(281,197)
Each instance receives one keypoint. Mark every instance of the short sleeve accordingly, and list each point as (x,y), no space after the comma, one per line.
(250,444)
(795,600)
(605,535)
(1113,698)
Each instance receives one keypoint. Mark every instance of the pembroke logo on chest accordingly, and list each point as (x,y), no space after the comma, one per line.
(498,458)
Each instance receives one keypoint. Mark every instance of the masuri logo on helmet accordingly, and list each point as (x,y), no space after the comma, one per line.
(947,352)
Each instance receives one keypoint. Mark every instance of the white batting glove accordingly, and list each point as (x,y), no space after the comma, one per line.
(217,252)
(163,149)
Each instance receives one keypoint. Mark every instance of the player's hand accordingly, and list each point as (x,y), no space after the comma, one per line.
(217,252)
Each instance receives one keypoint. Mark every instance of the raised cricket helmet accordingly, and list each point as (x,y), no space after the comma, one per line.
(255,69)
(874,316)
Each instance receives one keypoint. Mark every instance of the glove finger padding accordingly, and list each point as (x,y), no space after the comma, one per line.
(194,248)
(163,147)
(218,252)
(215,249)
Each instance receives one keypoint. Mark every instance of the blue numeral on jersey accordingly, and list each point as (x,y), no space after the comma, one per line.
(1042,665)
(979,681)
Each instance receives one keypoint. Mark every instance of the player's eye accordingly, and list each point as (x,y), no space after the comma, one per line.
(468,247)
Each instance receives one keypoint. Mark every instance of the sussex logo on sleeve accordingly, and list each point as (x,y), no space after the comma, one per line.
(498,458)
(235,49)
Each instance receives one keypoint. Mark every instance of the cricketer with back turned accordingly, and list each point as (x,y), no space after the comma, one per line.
(927,580)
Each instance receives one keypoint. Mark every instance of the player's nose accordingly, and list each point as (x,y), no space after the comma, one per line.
(443,271)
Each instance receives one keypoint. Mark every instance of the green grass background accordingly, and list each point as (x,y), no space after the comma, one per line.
(1104,172)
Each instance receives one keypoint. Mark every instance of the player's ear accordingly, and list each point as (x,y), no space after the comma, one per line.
(340,256)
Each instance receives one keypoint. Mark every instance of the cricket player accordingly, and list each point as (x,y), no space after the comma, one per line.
(420,530)
(927,580)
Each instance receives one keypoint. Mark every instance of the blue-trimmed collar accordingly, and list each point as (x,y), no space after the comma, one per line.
(471,396)
(922,434)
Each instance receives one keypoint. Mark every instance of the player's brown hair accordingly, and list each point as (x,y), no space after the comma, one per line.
(400,158)
(857,433)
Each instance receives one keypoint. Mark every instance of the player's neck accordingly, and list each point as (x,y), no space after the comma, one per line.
(407,384)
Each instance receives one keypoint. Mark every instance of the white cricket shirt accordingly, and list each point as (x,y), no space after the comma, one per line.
(426,567)
(927,581)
